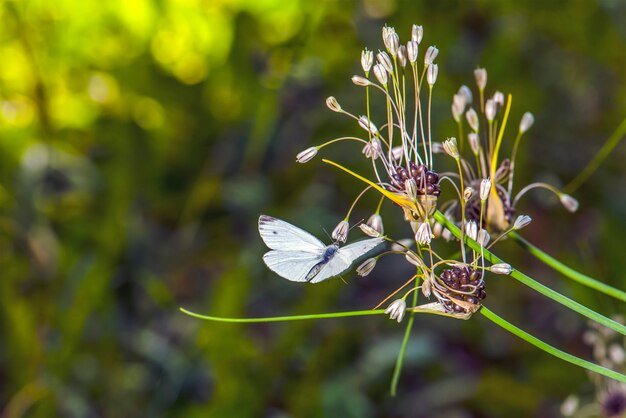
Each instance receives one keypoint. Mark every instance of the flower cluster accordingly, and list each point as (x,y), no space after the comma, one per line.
(401,148)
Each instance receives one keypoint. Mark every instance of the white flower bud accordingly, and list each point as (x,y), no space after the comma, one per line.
(527,121)
(373,149)
(412,50)
(472,119)
(498,98)
(397,152)
(471,230)
(340,233)
(366,267)
(568,202)
(369,231)
(367,59)
(410,186)
(431,54)
(521,221)
(396,309)
(385,61)
(481,78)
(483,238)
(485,188)
(394,44)
(431,74)
(449,146)
(458,106)
(333,104)
(401,245)
(474,142)
(466,93)
(417,33)
(402,55)
(360,81)
(381,74)
(306,155)
(376,223)
(414,259)
(437,147)
(501,268)
(424,234)
(366,124)
(387,32)
(569,406)
(490,110)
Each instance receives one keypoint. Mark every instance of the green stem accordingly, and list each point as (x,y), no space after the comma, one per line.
(598,159)
(568,271)
(550,349)
(405,341)
(285,318)
(528,281)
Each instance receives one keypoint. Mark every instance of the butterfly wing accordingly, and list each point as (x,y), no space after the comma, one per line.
(344,258)
(282,236)
(292,265)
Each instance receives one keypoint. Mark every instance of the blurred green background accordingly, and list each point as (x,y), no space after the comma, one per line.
(141,139)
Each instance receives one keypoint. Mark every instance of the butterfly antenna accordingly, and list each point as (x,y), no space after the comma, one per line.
(343,280)
(326,232)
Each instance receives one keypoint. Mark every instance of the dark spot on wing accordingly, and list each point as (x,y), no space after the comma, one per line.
(263,219)
(274,232)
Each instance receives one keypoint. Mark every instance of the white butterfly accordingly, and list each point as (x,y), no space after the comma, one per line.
(300,257)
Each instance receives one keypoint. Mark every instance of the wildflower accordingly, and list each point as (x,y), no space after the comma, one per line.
(466,93)
(458,106)
(431,54)
(410,186)
(366,267)
(340,233)
(412,258)
(449,146)
(521,221)
(483,238)
(568,202)
(381,74)
(501,268)
(614,403)
(498,98)
(417,32)
(397,152)
(481,78)
(396,309)
(367,59)
(401,245)
(412,51)
(402,55)
(437,148)
(384,60)
(360,81)
(394,44)
(490,110)
(463,290)
(366,124)
(424,234)
(472,119)
(570,406)
(333,104)
(485,188)
(373,149)
(527,121)
(376,223)
(431,75)
(474,142)
(467,193)
(471,230)
(306,155)
(388,35)
(369,231)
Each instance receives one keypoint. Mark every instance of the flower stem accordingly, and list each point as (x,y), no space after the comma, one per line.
(405,341)
(568,271)
(285,318)
(550,349)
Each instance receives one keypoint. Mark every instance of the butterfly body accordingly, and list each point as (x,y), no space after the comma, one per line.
(298,256)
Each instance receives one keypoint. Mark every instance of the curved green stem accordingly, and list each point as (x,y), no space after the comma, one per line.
(550,349)
(528,281)
(568,271)
(285,318)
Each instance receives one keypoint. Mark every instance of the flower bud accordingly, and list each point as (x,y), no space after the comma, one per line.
(367,59)
(431,54)
(481,78)
(376,223)
(360,81)
(458,106)
(410,187)
(401,245)
(402,55)
(467,193)
(568,202)
(527,121)
(466,93)
(449,146)
(483,238)
(490,110)
(521,221)
(397,152)
(498,98)
(412,50)
(424,234)
(385,61)
(340,233)
(414,259)
(366,124)
(387,32)
(306,155)
(394,44)
(437,147)
(431,74)
(472,119)
(471,230)
(501,268)
(366,267)
(381,74)
(333,104)
(369,231)
(474,142)
(396,309)
(485,188)
(417,33)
